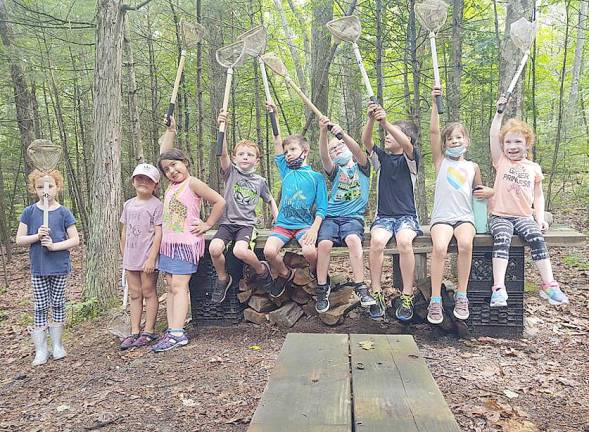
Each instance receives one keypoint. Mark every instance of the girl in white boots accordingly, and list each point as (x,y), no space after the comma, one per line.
(50,260)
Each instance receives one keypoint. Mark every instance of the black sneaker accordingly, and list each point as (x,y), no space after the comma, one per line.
(404,311)
(266,278)
(280,283)
(366,299)
(377,310)
(220,290)
(322,303)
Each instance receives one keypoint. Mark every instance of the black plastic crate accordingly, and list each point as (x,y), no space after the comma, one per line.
(204,311)
(482,265)
(506,322)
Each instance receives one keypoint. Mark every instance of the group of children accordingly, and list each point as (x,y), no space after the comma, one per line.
(168,237)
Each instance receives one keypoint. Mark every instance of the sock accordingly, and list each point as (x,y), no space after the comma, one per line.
(460,294)
(436,299)
(176,332)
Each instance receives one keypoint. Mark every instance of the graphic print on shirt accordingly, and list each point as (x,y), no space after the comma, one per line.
(457,177)
(175,213)
(134,226)
(244,192)
(294,206)
(348,188)
(517,179)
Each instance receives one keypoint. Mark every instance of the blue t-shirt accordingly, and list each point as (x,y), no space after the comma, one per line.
(43,261)
(349,191)
(301,188)
(397,175)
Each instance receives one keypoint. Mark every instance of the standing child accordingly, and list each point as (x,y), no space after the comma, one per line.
(302,188)
(348,168)
(396,215)
(140,243)
(243,189)
(452,216)
(182,234)
(518,196)
(50,260)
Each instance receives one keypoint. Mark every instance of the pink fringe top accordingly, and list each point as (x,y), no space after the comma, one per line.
(181,209)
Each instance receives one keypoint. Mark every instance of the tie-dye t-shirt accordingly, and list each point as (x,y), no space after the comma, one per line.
(453,194)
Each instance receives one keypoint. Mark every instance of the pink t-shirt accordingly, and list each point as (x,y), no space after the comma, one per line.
(514,187)
(140,219)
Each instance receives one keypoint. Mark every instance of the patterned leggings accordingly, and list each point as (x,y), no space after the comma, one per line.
(46,290)
(503,227)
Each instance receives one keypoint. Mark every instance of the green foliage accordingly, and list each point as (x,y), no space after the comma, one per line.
(80,311)
(576,261)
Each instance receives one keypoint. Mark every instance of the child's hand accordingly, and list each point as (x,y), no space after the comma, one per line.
(543,225)
(149,265)
(483,192)
(270,107)
(47,241)
(222,118)
(199,227)
(501,101)
(172,126)
(309,238)
(336,129)
(43,232)
(323,123)
(436,91)
(372,107)
(380,114)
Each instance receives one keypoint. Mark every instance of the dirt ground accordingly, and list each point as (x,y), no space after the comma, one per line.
(537,383)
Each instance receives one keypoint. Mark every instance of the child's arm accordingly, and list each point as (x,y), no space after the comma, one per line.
(209,195)
(435,138)
(310,237)
(494,132)
(22,239)
(352,145)
(539,206)
(480,191)
(224,157)
(274,208)
(323,150)
(367,131)
(149,265)
(396,132)
(72,241)
(123,240)
(168,139)
(277,139)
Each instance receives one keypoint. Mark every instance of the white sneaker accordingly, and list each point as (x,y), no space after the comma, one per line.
(499,297)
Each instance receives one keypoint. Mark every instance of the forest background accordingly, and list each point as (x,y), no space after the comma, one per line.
(96,78)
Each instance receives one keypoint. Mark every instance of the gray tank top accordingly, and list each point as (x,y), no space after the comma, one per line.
(453,194)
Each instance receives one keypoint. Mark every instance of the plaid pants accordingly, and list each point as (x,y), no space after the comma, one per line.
(49,290)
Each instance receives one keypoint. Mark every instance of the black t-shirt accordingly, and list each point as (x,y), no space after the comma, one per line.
(397,175)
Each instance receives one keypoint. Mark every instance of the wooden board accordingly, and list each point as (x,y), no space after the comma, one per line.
(414,385)
(309,389)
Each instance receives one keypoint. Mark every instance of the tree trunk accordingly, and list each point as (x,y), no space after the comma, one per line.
(453,91)
(572,108)
(4,230)
(154,96)
(294,53)
(136,138)
(201,165)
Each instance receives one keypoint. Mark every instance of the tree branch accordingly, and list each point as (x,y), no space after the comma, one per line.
(126,7)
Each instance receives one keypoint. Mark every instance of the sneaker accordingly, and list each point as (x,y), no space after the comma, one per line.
(551,292)
(377,310)
(499,297)
(435,313)
(266,278)
(404,311)
(322,292)
(461,308)
(366,299)
(129,342)
(220,290)
(169,341)
(144,339)
(280,283)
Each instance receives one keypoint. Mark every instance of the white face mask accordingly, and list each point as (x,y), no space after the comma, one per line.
(455,152)
(343,158)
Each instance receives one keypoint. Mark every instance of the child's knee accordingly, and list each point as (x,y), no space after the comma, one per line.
(440,250)
(177,287)
(378,243)
(135,293)
(354,245)
(216,248)
(240,250)
(325,247)
(405,244)
(309,252)
(464,246)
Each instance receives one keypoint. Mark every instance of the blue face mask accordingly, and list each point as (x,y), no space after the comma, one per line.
(343,158)
(455,152)
(298,162)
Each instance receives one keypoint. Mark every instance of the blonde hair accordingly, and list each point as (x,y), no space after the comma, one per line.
(518,126)
(451,127)
(247,143)
(36,175)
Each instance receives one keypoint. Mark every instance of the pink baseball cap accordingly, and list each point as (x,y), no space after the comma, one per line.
(147,170)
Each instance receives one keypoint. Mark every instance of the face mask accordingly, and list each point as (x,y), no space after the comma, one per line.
(343,158)
(249,171)
(297,162)
(455,152)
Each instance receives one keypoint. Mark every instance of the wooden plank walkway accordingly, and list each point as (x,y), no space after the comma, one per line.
(328,382)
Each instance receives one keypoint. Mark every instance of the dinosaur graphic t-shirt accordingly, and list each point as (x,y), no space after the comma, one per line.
(514,187)
(349,192)
(242,193)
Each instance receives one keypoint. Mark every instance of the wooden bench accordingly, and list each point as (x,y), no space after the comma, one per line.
(499,322)
(329,383)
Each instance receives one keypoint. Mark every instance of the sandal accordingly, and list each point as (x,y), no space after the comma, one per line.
(144,339)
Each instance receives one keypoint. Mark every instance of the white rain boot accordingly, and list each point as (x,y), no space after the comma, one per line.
(39,337)
(56,332)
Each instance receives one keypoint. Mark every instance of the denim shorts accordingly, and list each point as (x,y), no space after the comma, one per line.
(336,229)
(396,224)
(175,266)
